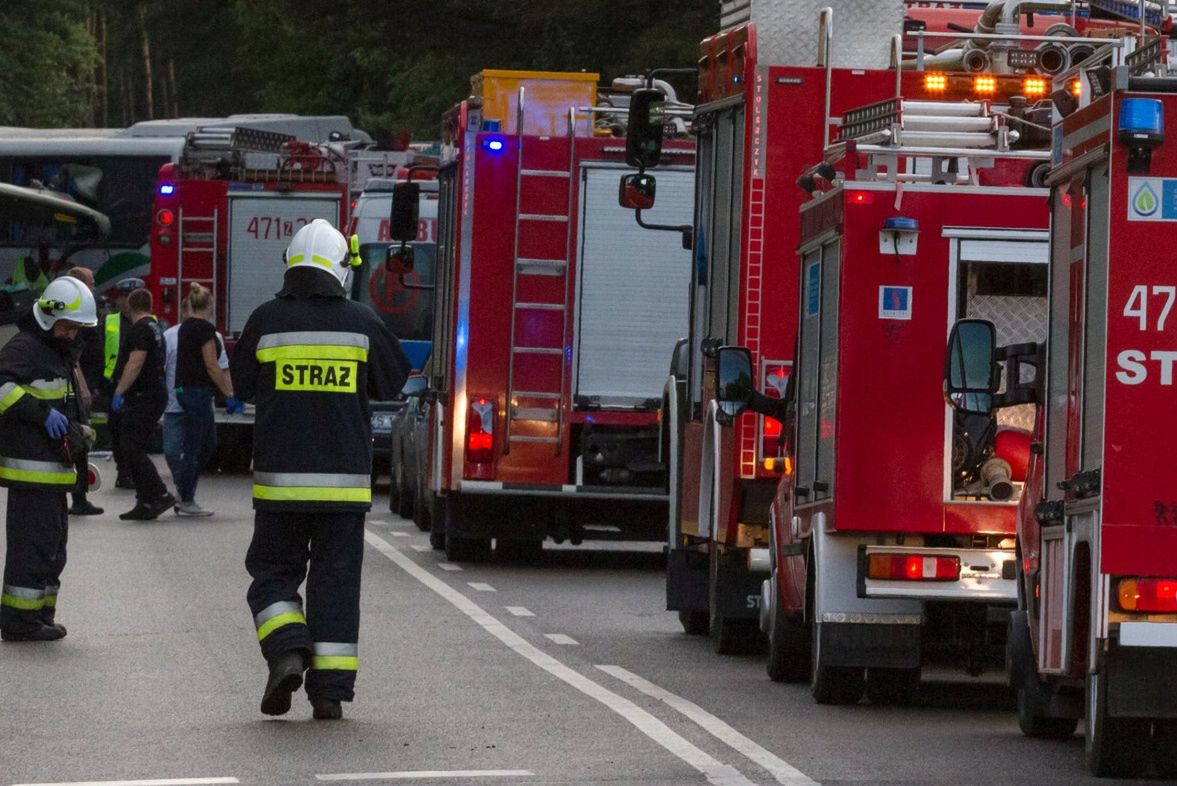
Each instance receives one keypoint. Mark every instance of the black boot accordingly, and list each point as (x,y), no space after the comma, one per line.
(326,709)
(42,633)
(285,678)
(84,507)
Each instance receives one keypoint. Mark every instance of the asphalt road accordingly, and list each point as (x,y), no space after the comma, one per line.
(566,672)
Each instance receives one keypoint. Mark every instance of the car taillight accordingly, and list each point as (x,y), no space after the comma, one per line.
(772,433)
(1158,596)
(480,426)
(910,567)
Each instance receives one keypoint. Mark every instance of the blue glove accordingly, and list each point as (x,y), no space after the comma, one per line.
(233,406)
(116,403)
(56,424)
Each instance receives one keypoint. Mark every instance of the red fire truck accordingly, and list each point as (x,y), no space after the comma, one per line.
(1095,633)
(555,313)
(223,216)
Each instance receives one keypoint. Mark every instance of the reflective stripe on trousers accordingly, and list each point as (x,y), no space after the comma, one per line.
(311,487)
(335,656)
(276,615)
(51,595)
(23,598)
(41,473)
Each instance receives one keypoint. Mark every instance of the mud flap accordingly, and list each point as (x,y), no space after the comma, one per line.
(869,645)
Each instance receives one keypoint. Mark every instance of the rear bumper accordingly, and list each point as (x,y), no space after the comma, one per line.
(987,575)
(1140,683)
(629,493)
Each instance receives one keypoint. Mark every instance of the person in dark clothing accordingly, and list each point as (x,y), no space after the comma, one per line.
(198,376)
(311,359)
(39,437)
(116,327)
(140,399)
(88,372)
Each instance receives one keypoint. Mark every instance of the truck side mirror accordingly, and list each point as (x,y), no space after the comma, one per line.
(637,191)
(734,390)
(643,136)
(405,212)
(399,261)
(970,370)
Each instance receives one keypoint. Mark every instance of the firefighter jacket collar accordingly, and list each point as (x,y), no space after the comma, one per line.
(306,282)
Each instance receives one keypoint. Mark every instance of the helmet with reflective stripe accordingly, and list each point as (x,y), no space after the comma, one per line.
(67,299)
(322,246)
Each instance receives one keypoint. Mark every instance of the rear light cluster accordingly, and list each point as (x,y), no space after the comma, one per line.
(910,567)
(1155,596)
(480,427)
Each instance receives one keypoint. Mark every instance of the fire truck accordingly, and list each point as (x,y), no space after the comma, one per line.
(1095,632)
(223,216)
(554,315)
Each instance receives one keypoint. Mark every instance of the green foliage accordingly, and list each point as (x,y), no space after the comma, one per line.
(46,58)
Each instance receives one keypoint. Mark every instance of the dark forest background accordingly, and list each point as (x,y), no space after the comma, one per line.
(391,65)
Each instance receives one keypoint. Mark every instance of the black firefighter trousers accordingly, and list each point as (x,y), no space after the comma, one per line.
(328,632)
(38,526)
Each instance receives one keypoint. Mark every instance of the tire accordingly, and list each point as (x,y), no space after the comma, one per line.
(728,637)
(437,539)
(1112,745)
(1033,697)
(405,498)
(421,515)
(694,622)
(833,684)
(1032,720)
(892,687)
(788,642)
(1164,748)
(393,491)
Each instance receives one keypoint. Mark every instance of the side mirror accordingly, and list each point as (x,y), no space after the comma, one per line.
(399,261)
(643,136)
(734,389)
(970,370)
(405,212)
(637,191)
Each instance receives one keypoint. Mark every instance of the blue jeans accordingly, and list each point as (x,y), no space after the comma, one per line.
(200,437)
(173,443)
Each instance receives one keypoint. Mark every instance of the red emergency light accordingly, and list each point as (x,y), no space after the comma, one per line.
(480,419)
(913,567)
(165,217)
(1154,596)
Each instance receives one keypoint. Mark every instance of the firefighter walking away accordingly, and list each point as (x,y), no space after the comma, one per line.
(310,359)
(41,440)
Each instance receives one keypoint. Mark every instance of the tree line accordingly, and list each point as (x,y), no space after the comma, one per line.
(391,65)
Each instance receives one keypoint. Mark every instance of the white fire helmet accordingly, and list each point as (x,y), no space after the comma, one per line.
(66,299)
(322,246)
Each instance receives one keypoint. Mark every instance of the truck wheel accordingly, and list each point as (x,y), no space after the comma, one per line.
(892,687)
(788,641)
(728,636)
(421,515)
(1033,697)
(1032,720)
(1164,748)
(405,501)
(1113,745)
(437,539)
(695,622)
(394,487)
(833,684)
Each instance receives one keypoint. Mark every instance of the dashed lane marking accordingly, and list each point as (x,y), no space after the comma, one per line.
(448,566)
(780,769)
(148,782)
(399,534)
(422,547)
(716,772)
(560,638)
(425,774)
(479,586)
(519,611)
(378,522)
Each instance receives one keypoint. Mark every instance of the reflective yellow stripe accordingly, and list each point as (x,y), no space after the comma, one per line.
(44,473)
(312,352)
(336,662)
(111,344)
(298,259)
(277,621)
(311,494)
(24,604)
(47,390)
(10,393)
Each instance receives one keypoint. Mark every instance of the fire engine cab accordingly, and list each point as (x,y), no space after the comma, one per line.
(1095,632)
(554,316)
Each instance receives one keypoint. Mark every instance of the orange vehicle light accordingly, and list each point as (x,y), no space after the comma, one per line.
(1077,87)
(985,84)
(1158,596)
(935,83)
(913,567)
(1034,86)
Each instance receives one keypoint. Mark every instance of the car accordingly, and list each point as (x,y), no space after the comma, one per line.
(407,461)
(385,415)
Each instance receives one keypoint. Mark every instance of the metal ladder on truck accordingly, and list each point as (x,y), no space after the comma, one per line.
(198,237)
(539,403)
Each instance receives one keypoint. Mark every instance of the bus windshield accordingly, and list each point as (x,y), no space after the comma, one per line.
(407,311)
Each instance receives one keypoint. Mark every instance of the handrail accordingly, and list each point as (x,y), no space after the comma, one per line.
(825,43)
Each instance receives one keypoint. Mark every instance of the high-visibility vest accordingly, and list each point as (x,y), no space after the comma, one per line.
(20,277)
(111,343)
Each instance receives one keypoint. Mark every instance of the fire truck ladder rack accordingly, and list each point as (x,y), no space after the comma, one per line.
(944,131)
(1129,10)
(198,235)
(545,405)
(249,154)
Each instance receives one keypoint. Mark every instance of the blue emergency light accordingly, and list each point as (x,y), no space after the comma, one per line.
(901,224)
(1142,121)
(493,145)
(166,189)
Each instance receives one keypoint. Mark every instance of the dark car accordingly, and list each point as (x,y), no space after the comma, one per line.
(385,415)
(407,461)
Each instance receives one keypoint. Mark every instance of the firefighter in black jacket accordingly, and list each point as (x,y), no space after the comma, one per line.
(311,359)
(38,423)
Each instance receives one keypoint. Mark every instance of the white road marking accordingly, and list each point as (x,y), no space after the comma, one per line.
(421,547)
(378,522)
(448,566)
(399,534)
(149,782)
(560,638)
(716,772)
(421,774)
(780,769)
(479,586)
(519,611)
